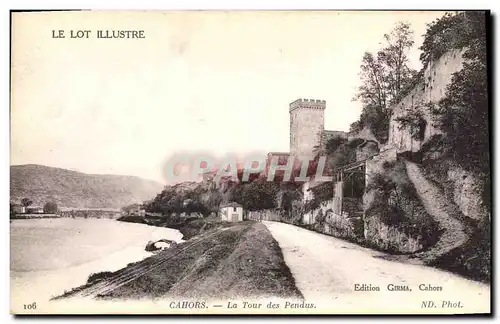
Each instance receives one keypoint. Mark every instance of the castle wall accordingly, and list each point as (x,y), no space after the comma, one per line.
(464,186)
(432,88)
(307,121)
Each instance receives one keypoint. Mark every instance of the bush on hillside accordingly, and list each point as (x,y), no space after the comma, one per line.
(398,206)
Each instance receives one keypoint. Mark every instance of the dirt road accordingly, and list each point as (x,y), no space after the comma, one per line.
(328,270)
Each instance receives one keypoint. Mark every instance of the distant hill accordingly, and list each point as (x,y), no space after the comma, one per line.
(79,190)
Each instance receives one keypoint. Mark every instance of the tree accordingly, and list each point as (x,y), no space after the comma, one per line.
(214,200)
(195,206)
(259,194)
(167,202)
(333,143)
(443,34)
(236,193)
(463,114)
(50,208)
(385,78)
(289,196)
(26,202)
(344,154)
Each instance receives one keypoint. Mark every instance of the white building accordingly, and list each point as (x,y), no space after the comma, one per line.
(34,210)
(18,209)
(231,212)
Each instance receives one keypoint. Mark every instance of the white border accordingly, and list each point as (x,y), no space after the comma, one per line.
(190,5)
(253,5)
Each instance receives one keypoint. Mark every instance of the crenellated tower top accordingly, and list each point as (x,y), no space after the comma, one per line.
(308,103)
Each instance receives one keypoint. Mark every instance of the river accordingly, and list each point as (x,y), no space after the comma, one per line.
(49,256)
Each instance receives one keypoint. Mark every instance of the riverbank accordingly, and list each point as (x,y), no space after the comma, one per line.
(49,256)
(238,260)
(189,227)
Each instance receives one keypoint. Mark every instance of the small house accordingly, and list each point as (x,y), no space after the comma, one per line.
(18,209)
(231,212)
(34,210)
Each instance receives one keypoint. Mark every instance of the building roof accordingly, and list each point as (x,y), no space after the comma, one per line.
(335,133)
(278,153)
(230,204)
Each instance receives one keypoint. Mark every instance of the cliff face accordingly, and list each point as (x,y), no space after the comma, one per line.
(443,192)
(432,88)
(462,186)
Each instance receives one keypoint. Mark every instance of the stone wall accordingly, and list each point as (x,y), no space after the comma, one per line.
(343,226)
(465,186)
(309,218)
(350,228)
(266,214)
(432,88)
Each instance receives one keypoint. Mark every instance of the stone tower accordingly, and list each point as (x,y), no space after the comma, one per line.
(307,123)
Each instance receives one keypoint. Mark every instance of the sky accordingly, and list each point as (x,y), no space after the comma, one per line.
(217,82)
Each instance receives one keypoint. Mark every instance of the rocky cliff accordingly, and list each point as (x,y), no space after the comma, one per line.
(430,89)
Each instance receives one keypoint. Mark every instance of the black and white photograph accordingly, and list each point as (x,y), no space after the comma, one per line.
(260,162)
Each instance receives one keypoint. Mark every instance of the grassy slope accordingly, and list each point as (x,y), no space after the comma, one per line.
(240,260)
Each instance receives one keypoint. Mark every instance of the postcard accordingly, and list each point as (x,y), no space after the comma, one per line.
(250,162)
